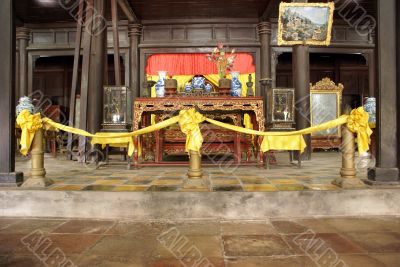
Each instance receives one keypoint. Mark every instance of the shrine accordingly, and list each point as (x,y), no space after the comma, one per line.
(186,110)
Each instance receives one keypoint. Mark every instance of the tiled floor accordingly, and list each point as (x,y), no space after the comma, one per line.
(316,174)
(304,242)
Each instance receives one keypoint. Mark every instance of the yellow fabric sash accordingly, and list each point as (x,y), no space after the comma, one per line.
(189,121)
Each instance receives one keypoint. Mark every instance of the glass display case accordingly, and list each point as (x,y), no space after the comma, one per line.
(281,109)
(115,115)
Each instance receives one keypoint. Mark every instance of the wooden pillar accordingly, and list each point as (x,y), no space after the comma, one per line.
(301,82)
(387,107)
(264,33)
(23,37)
(7,100)
(96,74)
(135,31)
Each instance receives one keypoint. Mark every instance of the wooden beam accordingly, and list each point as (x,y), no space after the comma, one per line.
(117,62)
(272,6)
(128,11)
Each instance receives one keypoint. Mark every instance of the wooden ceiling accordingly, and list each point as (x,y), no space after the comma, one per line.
(48,11)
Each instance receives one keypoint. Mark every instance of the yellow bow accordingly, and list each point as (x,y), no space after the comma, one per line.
(189,122)
(29,124)
(357,122)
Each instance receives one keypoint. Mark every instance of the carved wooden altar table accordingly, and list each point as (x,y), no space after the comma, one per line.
(232,108)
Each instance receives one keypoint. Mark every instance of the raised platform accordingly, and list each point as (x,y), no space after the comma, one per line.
(197,205)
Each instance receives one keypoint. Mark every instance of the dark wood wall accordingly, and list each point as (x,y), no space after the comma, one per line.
(52,76)
(350,70)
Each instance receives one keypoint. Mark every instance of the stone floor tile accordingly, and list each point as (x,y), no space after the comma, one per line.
(290,187)
(367,224)
(241,228)
(99,188)
(289,227)
(163,188)
(67,187)
(21,261)
(266,245)
(285,181)
(376,242)
(194,228)
(84,227)
(139,188)
(167,182)
(200,262)
(322,187)
(259,187)
(306,244)
(7,222)
(110,261)
(129,228)
(10,245)
(361,261)
(109,182)
(257,181)
(73,243)
(389,259)
(208,246)
(125,246)
(139,182)
(298,261)
(314,224)
(228,188)
(27,226)
(222,182)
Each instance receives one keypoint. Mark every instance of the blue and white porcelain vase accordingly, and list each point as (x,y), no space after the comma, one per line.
(208,88)
(160,85)
(370,107)
(236,88)
(198,82)
(24,103)
(188,88)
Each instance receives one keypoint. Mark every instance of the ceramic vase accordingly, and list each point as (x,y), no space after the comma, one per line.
(24,103)
(208,88)
(236,88)
(370,107)
(160,85)
(198,82)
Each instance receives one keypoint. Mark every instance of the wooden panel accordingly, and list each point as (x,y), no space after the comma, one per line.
(43,37)
(199,33)
(178,34)
(61,37)
(220,33)
(156,34)
(242,33)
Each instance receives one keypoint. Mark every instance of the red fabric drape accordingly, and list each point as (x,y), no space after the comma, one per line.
(192,64)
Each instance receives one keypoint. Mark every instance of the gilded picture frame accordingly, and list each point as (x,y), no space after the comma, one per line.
(325,105)
(305,23)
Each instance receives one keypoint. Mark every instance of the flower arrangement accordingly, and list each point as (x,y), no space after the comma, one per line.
(223,59)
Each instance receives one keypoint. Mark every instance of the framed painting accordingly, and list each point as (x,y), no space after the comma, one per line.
(325,103)
(305,23)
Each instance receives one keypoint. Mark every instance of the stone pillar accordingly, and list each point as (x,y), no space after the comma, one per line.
(264,33)
(7,100)
(134,33)
(301,83)
(23,37)
(387,107)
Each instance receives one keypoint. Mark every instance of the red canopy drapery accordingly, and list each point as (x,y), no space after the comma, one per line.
(192,64)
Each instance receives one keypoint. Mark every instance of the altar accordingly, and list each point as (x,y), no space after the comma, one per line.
(217,141)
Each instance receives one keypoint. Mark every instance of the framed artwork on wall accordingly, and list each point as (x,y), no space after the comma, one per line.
(305,23)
